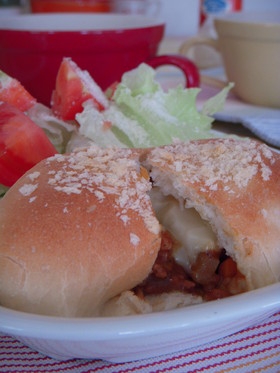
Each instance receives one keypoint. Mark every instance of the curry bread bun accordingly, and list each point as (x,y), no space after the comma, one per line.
(233,188)
(120,232)
(218,202)
(75,231)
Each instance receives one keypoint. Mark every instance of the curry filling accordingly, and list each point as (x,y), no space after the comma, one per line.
(189,259)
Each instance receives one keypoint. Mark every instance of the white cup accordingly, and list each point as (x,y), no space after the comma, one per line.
(249,44)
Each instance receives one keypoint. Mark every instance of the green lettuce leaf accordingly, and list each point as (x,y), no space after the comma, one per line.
(141,114)
(165,116)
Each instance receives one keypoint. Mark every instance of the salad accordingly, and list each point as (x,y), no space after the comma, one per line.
(135,112)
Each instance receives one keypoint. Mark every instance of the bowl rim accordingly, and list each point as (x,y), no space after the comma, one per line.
(251,17)
(82,22)
(19,323)
(257,26)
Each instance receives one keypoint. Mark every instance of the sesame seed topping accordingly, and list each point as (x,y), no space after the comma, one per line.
(218,163)
(105,172)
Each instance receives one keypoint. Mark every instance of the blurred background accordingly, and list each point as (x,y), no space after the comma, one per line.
(182,17)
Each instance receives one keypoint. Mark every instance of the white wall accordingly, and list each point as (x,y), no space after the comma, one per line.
(182,16)
(261,5)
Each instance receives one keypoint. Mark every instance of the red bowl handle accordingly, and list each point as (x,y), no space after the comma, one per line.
(188,68)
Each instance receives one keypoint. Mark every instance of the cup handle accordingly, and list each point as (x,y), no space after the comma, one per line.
(192,42)
(212,43)
(213,82)
(188,68)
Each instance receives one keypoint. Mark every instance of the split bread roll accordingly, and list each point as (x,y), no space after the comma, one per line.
(234,185)
(75,231)
(212,195)
(79,234)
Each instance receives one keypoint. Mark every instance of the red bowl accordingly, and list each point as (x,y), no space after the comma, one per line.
(32,46)
(50,6)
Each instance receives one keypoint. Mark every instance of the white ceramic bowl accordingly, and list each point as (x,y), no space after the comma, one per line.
(121,339)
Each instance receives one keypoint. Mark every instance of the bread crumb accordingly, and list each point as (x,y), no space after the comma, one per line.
(27,189)
(124,218)
(34,175)
(99,195)
(134,239)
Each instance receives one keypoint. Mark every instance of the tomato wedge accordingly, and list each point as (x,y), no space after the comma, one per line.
(73,87)
(13,92)
(22,144)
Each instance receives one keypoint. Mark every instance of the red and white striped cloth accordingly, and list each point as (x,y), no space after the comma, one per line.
(256,349)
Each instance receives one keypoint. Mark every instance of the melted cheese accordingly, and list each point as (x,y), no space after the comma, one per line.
(192,232)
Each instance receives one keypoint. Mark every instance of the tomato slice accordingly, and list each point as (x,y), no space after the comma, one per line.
(73,87)
(22,144)
(12,91)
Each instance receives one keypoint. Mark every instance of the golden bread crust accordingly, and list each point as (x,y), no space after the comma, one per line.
(79,230)
(75,231)
(235,185)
